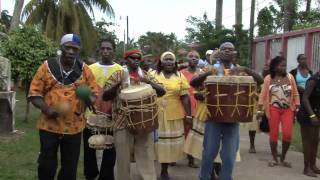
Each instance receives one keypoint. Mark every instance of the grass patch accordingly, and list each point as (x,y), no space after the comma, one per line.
(19,152)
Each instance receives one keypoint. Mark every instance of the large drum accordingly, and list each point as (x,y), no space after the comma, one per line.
(140,106)
(231,98)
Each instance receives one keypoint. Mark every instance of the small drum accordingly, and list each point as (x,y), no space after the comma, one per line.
(140,106)
(101,126)
(100,142)
(99,122)
(231,98)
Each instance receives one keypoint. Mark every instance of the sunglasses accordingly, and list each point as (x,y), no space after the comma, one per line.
(138,57)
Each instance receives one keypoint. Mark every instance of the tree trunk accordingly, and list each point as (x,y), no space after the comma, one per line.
(219,7)
(289,14)
(308,5)
(251,30)
(238,12)
(16,14)
(26,117)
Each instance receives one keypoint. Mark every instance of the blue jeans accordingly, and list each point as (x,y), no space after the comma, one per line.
(214,133)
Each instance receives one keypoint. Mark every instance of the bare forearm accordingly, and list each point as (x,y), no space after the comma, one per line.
(111,93)
(198,80)
(255,76)
(186,104)
(39,103)
(159,89)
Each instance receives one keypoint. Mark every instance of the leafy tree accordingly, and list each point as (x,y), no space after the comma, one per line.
(308,19)
(265,22)
(26,48)
(156,43)
(202,32)
(58,17)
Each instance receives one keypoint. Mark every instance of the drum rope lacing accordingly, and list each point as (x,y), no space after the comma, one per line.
(101,129)
(251,104)
(141,108)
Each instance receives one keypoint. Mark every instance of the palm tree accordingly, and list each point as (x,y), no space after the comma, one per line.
(16,14)
(58,17)
(219,6)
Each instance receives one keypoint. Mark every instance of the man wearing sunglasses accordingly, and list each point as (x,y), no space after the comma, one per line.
(125,141)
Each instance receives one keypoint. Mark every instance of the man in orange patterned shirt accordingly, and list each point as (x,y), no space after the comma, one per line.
(53,91)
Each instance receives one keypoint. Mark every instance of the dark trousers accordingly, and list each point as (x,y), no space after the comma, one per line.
(69,154)
(90,160)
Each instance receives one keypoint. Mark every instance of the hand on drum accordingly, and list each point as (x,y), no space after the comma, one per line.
(145,80)
(210,69)
(238,70)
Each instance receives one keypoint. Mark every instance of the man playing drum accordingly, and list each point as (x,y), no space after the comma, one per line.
(217,133)
(125,140)
(102,70)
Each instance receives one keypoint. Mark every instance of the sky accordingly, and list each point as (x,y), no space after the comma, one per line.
(164,15)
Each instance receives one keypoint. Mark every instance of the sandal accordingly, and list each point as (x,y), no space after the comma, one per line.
(285,164)
(273,163)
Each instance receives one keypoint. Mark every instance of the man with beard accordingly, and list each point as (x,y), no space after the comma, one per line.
(102,71)
(126,141)
(53,91)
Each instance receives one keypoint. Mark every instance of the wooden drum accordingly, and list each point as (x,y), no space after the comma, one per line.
(140,105)
(231,99)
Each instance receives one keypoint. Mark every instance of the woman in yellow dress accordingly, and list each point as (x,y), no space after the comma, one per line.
(175,107)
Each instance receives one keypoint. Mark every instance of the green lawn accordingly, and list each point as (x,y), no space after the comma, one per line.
(19,153)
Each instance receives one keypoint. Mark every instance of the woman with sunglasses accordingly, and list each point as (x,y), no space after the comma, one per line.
(176,107)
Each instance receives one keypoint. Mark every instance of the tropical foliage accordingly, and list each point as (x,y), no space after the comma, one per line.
(156,43)
(284,15)
(58,17)
(26,48)
(202,31)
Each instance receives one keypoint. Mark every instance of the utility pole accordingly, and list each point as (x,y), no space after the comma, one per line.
(124,40)
(219,5)
(128,39)
(251,30)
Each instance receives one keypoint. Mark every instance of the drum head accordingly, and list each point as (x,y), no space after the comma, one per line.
(229,80)
(136,92)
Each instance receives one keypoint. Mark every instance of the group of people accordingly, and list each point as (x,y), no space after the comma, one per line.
(185,128)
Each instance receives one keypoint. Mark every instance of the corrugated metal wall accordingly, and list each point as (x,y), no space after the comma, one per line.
(275,48)
(260,59)
(316,52)
(296,46)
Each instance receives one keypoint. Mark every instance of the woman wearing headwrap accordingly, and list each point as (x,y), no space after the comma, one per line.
(176,107)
